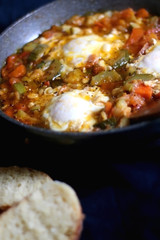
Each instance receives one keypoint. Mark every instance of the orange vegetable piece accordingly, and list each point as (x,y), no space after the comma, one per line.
(144,91)
(136,35)
(142,13)
(21,106)
(13,80)
(9,111)
(11,60)
(19,71)
(108,107)
(47,34)
(127,14)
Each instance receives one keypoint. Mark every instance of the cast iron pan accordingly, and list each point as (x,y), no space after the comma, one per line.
(31,25)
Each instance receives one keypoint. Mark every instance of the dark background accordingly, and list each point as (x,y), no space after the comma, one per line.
(118,183)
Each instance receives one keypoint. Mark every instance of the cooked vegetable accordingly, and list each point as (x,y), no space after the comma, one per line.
(105,76)
(54,70)
(143,77)
(122,59)
(111,123)
(37,52)
(144,91)
(29,47)
(19,71)
(44,64)
(19,87)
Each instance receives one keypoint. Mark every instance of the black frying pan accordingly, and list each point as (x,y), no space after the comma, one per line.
(30,26)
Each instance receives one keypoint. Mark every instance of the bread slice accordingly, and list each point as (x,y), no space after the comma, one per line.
(53,212)
(17,182)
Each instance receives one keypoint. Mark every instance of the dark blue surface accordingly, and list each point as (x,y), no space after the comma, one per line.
(119,186)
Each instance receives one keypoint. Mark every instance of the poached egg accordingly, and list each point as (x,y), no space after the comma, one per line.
(74,110)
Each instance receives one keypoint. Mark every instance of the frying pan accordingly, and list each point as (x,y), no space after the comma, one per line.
(34,23)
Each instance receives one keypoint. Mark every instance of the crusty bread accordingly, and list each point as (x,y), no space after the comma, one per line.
(52,212)
(17,182)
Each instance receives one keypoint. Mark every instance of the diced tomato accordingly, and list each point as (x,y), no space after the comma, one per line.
(127,14)
(19,71)
(47,83)
(47,34)
(136,35)
(24,55)
(157,96)
(92,60)
(97,69)
(142,13)
(135,41)
(4,72)
(135,100)
(11,60)
(144,91)
(103,24)
(13,80)
(9,111)
(21,106)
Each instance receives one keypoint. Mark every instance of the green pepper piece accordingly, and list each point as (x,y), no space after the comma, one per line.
(110,122)
(54,70)
(37,53)
(122,59)
(19,87)
(105,77)
(29,47)
(143,77)
(44,65)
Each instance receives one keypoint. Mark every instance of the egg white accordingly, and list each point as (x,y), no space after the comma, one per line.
(74,110)
(150,62)
(77,50)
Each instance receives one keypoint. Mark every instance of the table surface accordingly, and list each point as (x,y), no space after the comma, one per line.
(118,185)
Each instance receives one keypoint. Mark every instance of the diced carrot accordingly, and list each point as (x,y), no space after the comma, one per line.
(142,13)
(19,71)
(108,107)
(144,91)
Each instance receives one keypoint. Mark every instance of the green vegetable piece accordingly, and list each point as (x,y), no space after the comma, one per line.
(111,122)
(37,53)
(29,47)
(143,77)
(106,76)
(128,86)
(44,65)
(19,87)
(54,70)
(122,59)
